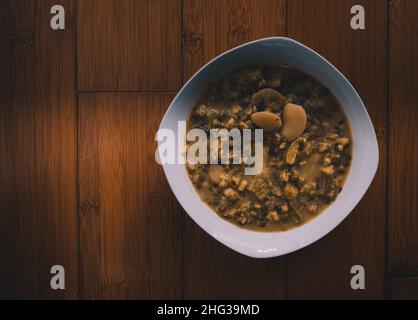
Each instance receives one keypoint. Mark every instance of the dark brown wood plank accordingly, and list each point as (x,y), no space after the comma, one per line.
(322,270)
(38,216)
(403,137)
(403,288)
(129,45)
(210,269)
(130,223)
(212,27)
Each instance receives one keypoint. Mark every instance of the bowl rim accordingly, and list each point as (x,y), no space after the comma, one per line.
(253,252)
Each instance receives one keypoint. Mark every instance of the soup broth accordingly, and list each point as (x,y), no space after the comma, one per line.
(307,147)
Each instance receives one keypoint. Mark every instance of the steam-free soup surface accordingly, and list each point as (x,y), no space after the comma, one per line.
(306,153)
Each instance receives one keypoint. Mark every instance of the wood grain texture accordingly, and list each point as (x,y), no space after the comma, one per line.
(38,220)
(132,242)
(403,288)
(403,137)
(130,225)
(129,45)
(212,27)
(210,269)
(322,270)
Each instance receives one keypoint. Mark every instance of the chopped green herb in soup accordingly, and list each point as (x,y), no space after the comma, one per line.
(306,147)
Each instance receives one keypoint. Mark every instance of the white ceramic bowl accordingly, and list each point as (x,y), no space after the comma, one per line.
(275,51)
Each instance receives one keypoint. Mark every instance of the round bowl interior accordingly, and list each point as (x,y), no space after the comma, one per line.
(276,51)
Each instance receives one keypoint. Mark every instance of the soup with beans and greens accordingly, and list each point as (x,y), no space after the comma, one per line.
(306,147)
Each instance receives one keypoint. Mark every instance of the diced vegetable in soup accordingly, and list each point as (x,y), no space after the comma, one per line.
(306,140)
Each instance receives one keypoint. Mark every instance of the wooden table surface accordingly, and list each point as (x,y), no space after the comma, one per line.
(79,185)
